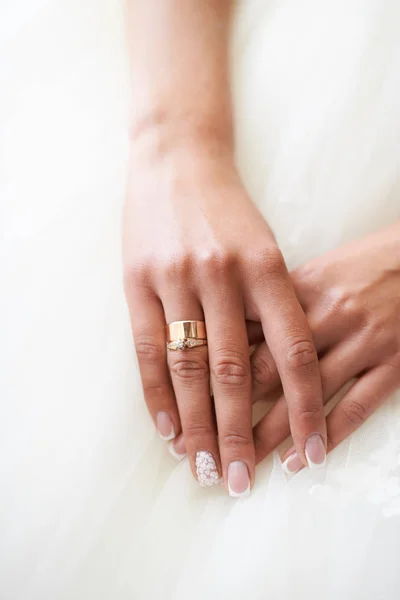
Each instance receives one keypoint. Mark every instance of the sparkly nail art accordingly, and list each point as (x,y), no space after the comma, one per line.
(206,469)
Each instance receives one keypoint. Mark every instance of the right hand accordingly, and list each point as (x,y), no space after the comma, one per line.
(197,248)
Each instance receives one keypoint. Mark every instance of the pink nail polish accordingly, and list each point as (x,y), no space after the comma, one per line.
(315,451)
(165,426)
(238,479)
(292,464)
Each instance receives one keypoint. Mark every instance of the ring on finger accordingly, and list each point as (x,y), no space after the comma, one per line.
(186,334)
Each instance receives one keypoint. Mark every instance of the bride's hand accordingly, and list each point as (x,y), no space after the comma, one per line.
(196,247)
(351,297)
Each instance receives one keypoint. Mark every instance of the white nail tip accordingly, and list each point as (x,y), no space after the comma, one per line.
(234,494)
(315,466)
(169,437)
(174,453)
(289,474)
(285,468)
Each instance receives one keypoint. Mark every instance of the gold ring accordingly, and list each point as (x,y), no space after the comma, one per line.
(186,334)
(180,330)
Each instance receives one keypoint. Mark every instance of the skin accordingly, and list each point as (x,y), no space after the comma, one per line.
(351,297)
(196,247)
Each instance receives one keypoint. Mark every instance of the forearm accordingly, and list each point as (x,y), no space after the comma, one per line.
(179,58)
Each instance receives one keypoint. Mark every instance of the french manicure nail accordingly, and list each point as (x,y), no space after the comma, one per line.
(238,479)
(206,469)
(177,448)
(315,451)
(292,465)
(165,426)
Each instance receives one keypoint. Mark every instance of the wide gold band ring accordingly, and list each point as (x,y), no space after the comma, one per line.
(186,334)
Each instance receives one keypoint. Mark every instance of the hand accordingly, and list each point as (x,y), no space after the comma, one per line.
(351,297)
(196,248)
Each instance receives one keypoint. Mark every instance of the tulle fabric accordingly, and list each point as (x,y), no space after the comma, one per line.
(91,504)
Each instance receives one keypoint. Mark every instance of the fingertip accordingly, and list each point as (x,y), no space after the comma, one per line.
(291,464)
(239,485)
(315,451)
(165,426)
(177,448)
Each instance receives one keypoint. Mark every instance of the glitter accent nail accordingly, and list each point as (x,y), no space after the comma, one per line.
(206,469)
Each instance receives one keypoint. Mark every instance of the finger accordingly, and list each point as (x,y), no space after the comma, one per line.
(265,376)
(356,406)
(325,330)
(190,378)
(337,368)
(231,383)
(264,373)
(177,447)
(255,332)
(360,402)
(291,344)
(148,327)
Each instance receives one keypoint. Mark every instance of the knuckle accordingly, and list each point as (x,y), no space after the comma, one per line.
(262,371)
(309,413)
(176,268)
(355,412)
(342,302)
(271,260)
(301,355)
(230,369)
(196,429)
(135,273)
(235,439)
(348,305)
(154,390)
(267,262)
(148,350)
(190,370)
(215,263)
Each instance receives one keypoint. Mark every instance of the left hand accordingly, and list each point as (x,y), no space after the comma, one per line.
(351,297)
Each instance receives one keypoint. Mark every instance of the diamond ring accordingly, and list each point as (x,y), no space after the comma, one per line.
(186,334)
(185,343)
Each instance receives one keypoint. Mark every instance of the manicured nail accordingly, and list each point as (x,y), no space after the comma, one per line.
(165,426)
(292,465)
(206,468)
(177,448)
(238,479)
(315,451)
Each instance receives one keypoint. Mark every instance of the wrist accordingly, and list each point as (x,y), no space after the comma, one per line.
(157,134)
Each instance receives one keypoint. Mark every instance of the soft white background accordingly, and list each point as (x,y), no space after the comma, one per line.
(91,505)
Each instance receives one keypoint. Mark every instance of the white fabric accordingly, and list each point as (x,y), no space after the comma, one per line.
(92,506)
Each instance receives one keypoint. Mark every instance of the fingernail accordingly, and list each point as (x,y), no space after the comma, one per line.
(165,426)
(292,465)
(315,451)
(177,448)
(238,479)
(206,468)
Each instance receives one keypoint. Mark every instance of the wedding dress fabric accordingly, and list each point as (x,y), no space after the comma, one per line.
(92,506)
